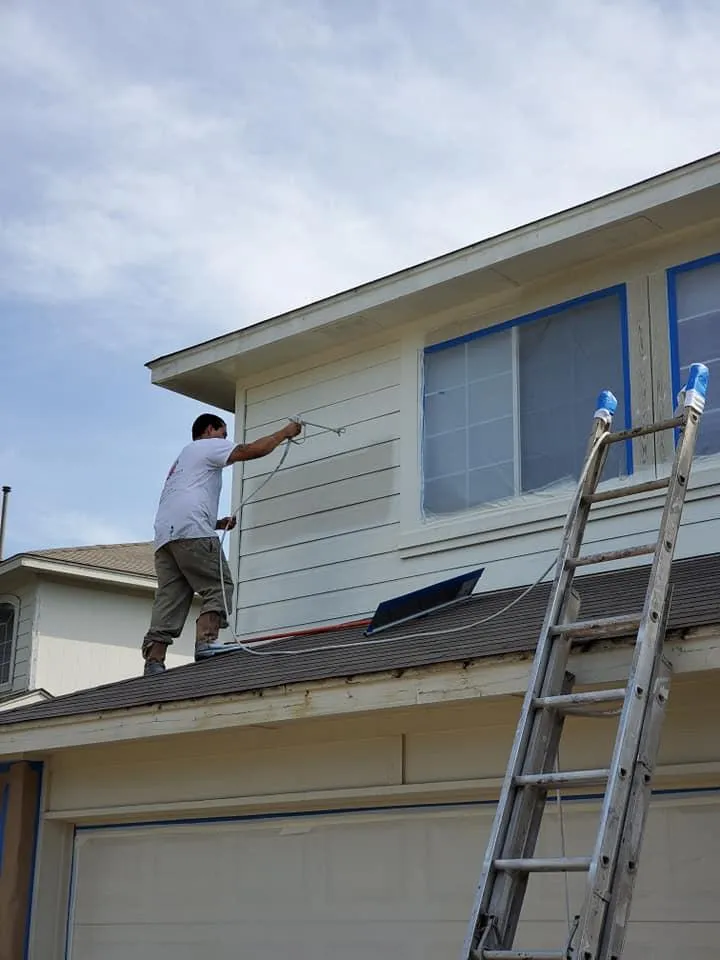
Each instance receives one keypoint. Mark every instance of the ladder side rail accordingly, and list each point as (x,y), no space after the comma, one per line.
(626,871)
(527,815)
(647,649)
(617,913)
(570,545)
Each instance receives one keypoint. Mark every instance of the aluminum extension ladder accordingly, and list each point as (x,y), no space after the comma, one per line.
(599,930)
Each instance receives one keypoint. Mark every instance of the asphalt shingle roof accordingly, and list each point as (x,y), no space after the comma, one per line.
(134,558)
(696,602)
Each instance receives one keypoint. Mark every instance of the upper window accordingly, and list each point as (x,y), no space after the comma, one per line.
(694,306)
(508,410)
(8,622)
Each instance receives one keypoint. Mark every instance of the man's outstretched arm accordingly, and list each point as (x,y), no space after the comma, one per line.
(264,445)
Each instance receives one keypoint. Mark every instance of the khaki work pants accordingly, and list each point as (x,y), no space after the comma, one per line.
(185,568)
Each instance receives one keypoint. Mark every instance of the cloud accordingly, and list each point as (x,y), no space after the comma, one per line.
(183,204)
(172,171)
(174,224)
(76,528)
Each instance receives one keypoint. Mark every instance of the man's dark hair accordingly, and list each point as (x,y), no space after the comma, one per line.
(204,421)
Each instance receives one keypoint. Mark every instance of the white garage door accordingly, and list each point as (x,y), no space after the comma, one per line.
(386,884)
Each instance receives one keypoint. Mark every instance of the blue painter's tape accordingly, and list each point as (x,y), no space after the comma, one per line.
(696,387)
(606,406)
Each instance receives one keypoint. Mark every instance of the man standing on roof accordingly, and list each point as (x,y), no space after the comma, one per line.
(187,547)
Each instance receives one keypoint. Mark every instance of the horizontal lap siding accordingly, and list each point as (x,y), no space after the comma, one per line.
(338,564)
(319,543)
(24,639)
(319,540)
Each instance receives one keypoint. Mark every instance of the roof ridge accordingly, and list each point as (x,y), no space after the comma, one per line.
(131,557)
(85,546)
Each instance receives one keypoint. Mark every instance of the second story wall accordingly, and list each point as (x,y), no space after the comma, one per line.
(460,431)
(322,533)
(89,634)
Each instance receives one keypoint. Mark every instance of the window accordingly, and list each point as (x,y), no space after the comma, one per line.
(508,410)
(694,308)
(8,621)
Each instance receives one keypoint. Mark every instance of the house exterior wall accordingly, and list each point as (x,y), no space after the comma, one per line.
(439,751)
(440,757)
(89,634)
(340,528)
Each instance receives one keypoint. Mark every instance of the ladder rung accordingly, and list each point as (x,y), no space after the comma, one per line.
(566,778)
(544,865)
(521,955)
(603,627)
(609,555)
(587,699)
(630,491)
(645,430)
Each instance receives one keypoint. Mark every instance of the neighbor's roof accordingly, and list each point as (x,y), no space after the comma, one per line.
(123,557)
(132,559)
(494,267)
(696,602)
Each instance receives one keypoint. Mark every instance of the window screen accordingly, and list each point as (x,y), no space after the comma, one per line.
(509,411)
(695,315)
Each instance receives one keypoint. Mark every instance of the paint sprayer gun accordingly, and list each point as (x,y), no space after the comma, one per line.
(319,426)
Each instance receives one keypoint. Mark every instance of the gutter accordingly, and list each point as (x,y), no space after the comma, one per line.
(695,651)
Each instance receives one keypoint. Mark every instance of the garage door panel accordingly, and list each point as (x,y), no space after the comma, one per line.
(673,941)
(183,942)
(359,886)
(692,839)
(645,941)
(365,864)
(455,851)
(679,861)
(337,940)
(169,866)
(102,894)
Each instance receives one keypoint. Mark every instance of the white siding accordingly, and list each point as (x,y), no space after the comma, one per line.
(323,541)
(89,635)
(339,528)
(326,526)
(21,670)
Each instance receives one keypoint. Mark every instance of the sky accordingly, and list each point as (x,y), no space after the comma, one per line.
(171,170)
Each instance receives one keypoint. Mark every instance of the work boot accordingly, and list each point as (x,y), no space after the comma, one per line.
(207,632)
(152,668)
(154,653)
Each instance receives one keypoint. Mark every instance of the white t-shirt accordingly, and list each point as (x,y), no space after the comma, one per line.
(189,501)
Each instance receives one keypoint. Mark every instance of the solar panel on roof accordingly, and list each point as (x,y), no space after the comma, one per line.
(410,606)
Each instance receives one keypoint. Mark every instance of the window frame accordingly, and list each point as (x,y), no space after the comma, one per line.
(671,275)
(13,602)
(616,290)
